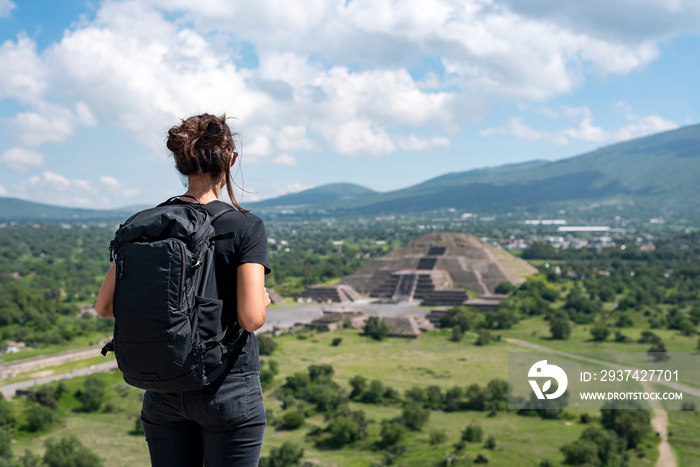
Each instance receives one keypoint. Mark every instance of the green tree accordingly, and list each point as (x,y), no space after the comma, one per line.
(374,393)
(359,385)
(580,452)
(39,417)
(6,443)
(266,344)
(414,416)
(376,328)
(629,425)
(600,331)
(658,352)
(69,452)
(391,432)
(93,393)
(560,328)
(292,420)
(472,433)
(484,337)
(457,333)
(287,455)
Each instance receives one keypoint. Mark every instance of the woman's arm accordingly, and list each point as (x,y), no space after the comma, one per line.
(252,296)
(104,296)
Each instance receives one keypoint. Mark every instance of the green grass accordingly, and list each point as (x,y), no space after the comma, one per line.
(105,433)
(684,435)
(536,331)
(399,363)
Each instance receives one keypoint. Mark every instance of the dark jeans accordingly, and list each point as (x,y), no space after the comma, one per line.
(219,425)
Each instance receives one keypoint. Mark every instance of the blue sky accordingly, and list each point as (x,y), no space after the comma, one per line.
(383,93)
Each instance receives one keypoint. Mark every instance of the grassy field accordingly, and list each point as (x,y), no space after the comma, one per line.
(400,363)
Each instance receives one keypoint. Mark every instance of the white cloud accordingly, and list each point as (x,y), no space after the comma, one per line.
(360,138)
(23,77)
(3,190)
(110,182)
(293,138)
(6,7)
(21,158)
(586,130)
(644,126)
(520,130)
(414,143)
(286,159)
(116,187)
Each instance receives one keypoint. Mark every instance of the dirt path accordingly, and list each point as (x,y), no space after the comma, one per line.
(660,424)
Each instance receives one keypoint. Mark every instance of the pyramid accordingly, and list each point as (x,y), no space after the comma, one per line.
(438,262)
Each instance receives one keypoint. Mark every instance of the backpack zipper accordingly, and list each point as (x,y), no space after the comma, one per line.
(183,255)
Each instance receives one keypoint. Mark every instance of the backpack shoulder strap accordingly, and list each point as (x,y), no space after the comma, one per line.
(222,236)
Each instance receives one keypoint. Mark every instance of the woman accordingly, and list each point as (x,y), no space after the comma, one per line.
(223,423)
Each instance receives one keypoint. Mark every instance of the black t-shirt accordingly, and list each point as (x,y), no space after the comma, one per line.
(244,241)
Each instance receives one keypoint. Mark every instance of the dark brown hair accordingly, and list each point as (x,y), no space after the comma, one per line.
(202,144)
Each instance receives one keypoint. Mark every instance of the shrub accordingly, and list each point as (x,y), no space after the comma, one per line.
(69,452)
(373,394)
(484,337)
(44,396)
(416,394)
(481,459)
(580,452)
(39,417)
(619,337)
(287,455)
(321,373)
(266,344)
(5,444)
(437,437)
(630,425)
(414,416)
(560,328)
(266,377)
(457,333)
(473,433)
(392,431)
(336,341)
(345,428)
(490,443)
(688,405)
(658,352)
(138,428)
(93,393)
(600,331)
(359,385)
(292,420)
(376,328)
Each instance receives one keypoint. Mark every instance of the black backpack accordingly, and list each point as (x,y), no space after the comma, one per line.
(169,333)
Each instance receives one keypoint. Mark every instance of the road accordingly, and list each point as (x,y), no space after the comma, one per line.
(9,390)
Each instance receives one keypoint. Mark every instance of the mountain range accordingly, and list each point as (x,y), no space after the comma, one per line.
(660,172)
(657,173)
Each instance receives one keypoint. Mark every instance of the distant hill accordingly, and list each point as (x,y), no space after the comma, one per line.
(660,171)
(325,195)
(13,209)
